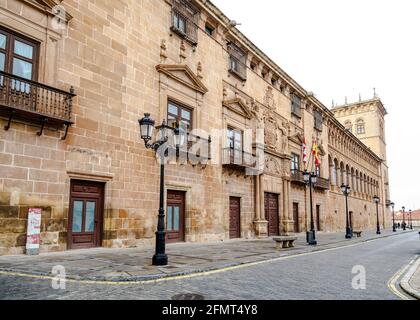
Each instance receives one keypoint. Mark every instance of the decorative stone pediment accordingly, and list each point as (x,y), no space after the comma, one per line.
(239,107)
(183,74)
(297,138)
(49,7)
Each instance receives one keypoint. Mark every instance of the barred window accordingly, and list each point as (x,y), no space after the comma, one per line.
(237,61)
(185,20)
(296,105)
(318,120)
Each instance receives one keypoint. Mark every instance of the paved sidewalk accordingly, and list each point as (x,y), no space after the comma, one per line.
(185,258)
(415,281)
(411,280)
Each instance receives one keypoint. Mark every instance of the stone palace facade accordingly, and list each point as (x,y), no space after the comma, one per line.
(77,75)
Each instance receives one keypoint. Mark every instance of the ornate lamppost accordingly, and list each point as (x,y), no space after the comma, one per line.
(310,180)
(394,229)
(346,191)
(403,223)
(378,228)
(147,126)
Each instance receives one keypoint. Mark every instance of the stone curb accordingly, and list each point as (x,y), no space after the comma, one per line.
(405,281)
(197,272)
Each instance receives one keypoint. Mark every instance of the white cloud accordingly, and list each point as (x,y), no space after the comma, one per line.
(343,48)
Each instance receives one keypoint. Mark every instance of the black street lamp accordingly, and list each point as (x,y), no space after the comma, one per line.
(403,223)
(346,191)
(310,180)
(147,126)
(394,229)
(378,228)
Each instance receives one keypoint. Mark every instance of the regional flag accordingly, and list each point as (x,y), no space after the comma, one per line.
(304,152)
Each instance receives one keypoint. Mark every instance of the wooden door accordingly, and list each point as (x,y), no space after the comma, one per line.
(296,217)
(318,218)
(175,217)
(271,206)
(86,208)
(351,219)
(234,217)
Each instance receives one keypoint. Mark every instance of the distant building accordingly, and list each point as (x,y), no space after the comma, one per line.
(415,215)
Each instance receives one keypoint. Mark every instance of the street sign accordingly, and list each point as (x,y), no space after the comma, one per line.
(33,236)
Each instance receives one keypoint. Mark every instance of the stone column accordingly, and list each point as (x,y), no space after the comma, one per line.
(257,198)
(261,225)
(332,176)
(289,203)
(262,200)
(287,214)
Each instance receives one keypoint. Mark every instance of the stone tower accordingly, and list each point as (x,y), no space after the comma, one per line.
(366,120)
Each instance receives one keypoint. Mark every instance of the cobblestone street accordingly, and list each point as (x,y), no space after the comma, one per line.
(318,275)
(184,258)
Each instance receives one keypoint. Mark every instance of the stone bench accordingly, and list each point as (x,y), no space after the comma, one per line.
(358,233)
(285,242)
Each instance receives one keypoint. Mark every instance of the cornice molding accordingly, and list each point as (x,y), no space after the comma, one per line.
(47,6)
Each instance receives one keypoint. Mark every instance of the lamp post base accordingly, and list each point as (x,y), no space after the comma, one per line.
(349,233)
(378,232)
(160,260)
(310,238)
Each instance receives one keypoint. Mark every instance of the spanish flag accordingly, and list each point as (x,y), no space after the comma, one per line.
(315,153)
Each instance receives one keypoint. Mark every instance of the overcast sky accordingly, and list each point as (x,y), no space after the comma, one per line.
(343,48)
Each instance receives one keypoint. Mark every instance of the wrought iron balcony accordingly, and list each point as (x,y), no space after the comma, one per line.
(237,158)
(196,150)
(321,183)
(30,101)
(297,177)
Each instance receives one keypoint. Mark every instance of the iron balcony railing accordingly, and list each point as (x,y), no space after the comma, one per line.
(196,148)
(237,61)
(237,67)
(34,102)
(321,183)
(297,177)
(238,158)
